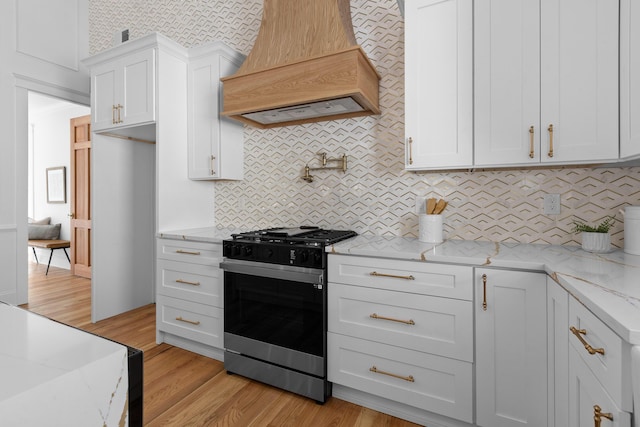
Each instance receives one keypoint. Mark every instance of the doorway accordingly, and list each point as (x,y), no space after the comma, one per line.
(49,149)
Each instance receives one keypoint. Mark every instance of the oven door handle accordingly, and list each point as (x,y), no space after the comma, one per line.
(275,271)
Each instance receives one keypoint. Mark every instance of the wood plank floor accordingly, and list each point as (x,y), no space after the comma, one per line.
(182,388)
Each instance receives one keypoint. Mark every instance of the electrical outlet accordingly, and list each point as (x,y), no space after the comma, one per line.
(421,205)
(552,204)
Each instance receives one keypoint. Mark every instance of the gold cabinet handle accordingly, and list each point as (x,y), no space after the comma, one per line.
(391,319)
(212,160)
(378,371)
(550,129)
(484,292)
(598,415)
(180,251)
(186,282)
(192,322)
(579,333)
(375,273)
(410,150)
(531,147)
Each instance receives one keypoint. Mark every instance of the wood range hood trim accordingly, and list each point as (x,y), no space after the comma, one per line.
(305,56)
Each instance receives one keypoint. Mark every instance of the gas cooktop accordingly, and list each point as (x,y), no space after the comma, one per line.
(304,235)
(295,246)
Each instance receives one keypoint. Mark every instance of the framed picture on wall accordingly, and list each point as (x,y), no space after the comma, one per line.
(57,185)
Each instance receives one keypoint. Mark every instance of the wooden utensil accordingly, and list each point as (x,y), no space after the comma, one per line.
(431,205)
(439,207)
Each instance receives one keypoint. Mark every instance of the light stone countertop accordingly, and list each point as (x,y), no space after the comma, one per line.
(607,284)
(56,375)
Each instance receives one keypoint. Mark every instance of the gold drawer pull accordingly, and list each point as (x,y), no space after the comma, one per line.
(375,273)
(180,251)
(550,129)
(598,415)
(378,371)
(531,137)
(484,292)
(579,333)
(186,282)
(408,322)
(410,150)
(193,322)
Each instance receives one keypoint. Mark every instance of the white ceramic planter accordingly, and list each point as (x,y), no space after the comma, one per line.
(596,242)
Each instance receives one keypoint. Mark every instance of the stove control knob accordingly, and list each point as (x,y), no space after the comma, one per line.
(269,253)
(317,258)
(247,251)
(235,250)
(304,255)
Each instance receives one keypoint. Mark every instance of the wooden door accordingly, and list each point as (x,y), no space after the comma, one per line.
(80,206)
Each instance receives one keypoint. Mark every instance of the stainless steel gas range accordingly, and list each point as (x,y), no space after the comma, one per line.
(275,307)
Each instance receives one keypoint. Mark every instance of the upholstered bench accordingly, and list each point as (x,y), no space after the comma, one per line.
(50,244)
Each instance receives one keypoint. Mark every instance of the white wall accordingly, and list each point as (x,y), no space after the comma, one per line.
(36,53)
(50,145)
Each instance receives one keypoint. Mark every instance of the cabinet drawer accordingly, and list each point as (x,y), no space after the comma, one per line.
(408,276)
(428,382)
(191,252)
(197,283)
(191,320)
(586,392)
(611,369)
(440,326)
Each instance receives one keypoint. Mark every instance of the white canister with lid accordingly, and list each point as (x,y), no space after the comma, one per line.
(632,230)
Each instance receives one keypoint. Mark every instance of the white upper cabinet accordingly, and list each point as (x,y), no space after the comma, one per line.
(629,79)
(546,81)
(124,91)
(438,84)
(216,144)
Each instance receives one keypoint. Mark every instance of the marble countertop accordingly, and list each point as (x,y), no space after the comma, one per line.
(205,234)
(68,376)
(607,284)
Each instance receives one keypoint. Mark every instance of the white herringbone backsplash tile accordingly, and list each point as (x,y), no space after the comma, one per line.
(376,195)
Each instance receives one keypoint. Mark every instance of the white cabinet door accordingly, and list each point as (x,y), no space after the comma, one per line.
(586,396)
(579,80)
(546,81)
(104,80)
(507,82)
(438,84)
(629,79)
(216,144)
(511,348)
(124,91)
(138,88)
(558,354)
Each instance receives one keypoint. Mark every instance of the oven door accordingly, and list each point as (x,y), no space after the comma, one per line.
(276,313)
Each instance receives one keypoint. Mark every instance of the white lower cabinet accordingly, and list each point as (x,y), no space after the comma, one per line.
(589,402)
(558,354)
(394,333)
(189,301)
(599,372)
(511,348)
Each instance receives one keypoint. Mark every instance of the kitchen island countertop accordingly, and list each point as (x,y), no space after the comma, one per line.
(607,284)
(53,374)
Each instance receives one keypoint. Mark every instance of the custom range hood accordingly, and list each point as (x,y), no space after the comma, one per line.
(305,66)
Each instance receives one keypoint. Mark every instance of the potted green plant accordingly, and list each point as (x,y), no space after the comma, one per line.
(595,239)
